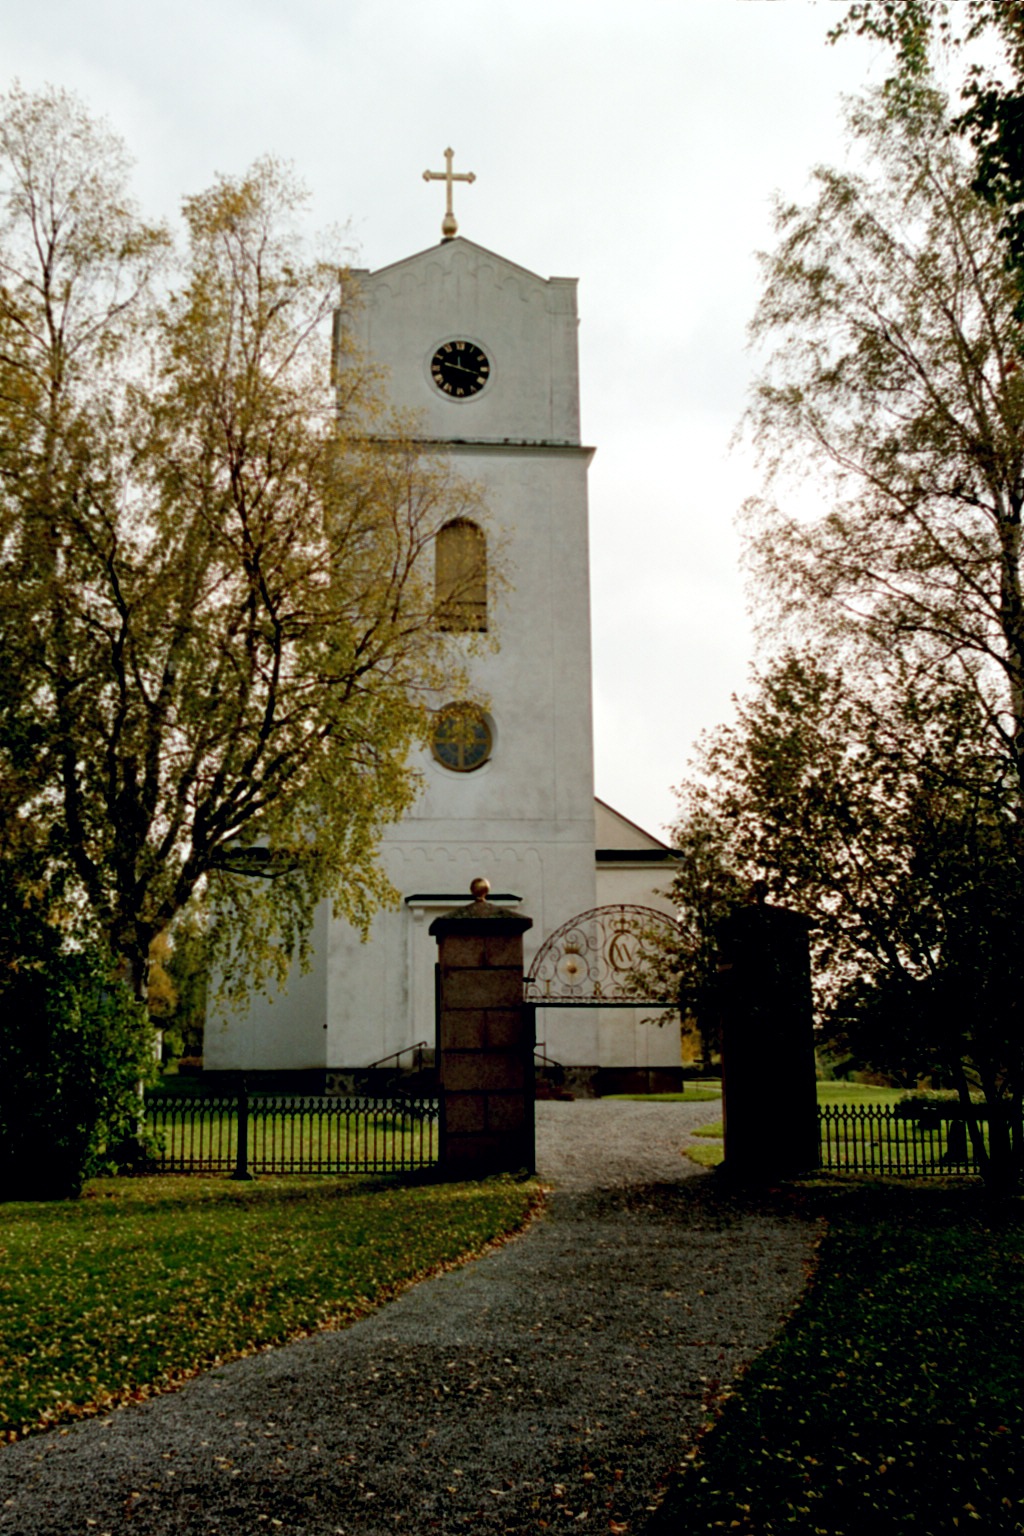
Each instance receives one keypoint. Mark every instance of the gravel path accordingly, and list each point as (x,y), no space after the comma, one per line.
(555,1381)
(598,1143)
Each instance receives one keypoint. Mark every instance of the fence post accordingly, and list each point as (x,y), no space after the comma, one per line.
(529,1050)
(442,1118)
(242,1154)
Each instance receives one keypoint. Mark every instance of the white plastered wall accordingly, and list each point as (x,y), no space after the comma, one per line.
(626,1037)
(284,1029)
(525,819)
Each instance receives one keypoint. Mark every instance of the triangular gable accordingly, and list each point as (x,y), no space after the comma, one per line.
(460,249)
(613,830)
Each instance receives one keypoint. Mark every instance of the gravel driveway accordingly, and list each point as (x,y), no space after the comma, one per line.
(555,1381)
(597,1143)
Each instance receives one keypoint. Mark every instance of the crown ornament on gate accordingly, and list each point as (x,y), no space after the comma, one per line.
(598,958)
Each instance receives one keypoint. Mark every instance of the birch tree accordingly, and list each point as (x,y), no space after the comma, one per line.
(989,89)
(895,390)
(878,779)
(217,606)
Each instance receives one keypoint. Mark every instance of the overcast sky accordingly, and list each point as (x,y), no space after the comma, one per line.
(634,146)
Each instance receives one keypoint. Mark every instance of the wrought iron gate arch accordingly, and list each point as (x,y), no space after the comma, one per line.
(594,960)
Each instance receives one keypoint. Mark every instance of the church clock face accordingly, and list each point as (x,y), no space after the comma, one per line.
(460,369)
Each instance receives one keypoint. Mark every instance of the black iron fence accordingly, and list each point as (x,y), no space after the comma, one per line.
(246,1134)
(919,1140)
(284,1133)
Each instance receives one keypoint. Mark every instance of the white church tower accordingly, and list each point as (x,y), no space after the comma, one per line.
(484,353)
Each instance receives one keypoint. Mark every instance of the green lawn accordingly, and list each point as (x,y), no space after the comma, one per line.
(892,1399)
(704,1092)
(144,1282)
(828,1093)
(295,1139)
(857,1093)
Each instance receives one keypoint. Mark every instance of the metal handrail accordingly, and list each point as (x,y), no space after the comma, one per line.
(396,1056)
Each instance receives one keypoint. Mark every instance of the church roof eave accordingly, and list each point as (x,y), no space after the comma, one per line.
(648,840)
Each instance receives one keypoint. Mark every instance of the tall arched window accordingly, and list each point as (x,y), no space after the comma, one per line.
(461,576)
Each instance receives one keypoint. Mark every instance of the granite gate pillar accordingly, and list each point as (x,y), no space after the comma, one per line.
(484,1040)
(769,1091)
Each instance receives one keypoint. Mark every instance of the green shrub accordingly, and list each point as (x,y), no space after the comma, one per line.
(74,1046)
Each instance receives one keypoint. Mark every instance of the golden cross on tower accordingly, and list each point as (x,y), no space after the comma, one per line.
(448,224)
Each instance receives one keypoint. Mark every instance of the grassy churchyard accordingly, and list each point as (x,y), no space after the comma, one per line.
(891,1400)
(709,1150)
(145,1282)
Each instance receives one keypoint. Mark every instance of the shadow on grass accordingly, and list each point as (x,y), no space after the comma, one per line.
(891,1399)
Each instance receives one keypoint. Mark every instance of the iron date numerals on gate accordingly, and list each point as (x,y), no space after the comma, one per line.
(460,369)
